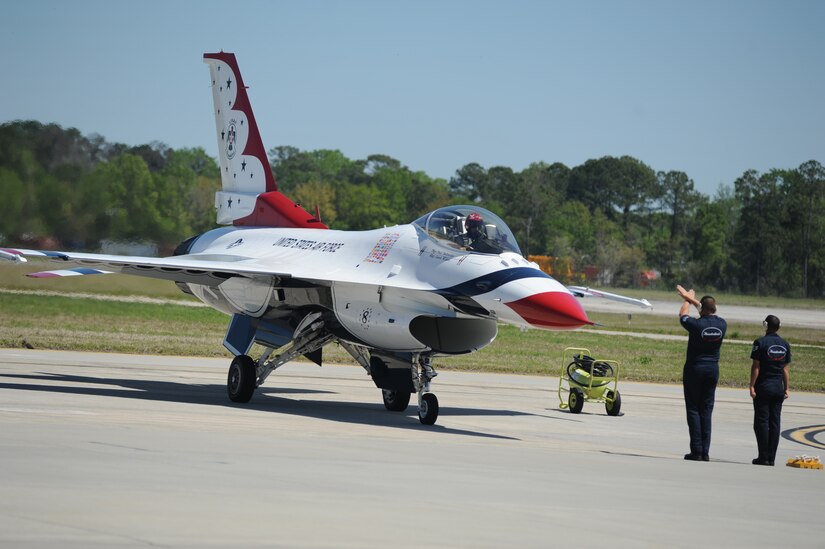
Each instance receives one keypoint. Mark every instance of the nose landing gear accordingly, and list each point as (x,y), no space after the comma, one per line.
(427,408)
(423,373)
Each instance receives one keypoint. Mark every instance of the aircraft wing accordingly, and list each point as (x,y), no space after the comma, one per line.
(581,291)
(195,268)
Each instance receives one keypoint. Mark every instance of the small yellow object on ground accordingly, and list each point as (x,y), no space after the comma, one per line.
(805,462)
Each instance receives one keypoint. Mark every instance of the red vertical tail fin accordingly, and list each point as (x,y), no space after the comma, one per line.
(249,194)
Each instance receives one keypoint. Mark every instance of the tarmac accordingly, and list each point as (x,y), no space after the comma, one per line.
(101,450)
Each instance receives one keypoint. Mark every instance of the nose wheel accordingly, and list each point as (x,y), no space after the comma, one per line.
(423,372)
(427,408)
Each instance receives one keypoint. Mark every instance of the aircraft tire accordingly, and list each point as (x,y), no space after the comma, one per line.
(240,382)
(614,408)
(576,400)
(428,409)
(395,401)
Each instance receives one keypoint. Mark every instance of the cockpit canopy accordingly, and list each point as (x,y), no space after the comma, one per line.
(450,226)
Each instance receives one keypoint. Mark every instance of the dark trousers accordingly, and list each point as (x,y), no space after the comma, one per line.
(767,412)
(699,382)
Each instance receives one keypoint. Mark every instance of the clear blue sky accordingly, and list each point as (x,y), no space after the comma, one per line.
(708,88)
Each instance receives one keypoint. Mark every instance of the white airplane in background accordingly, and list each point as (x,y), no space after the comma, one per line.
(394,297)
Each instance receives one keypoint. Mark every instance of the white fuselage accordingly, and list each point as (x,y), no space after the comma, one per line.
(379,280)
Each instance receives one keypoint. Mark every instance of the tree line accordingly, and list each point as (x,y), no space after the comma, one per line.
(763,233)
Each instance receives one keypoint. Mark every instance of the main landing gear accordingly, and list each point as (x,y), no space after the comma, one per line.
(395,401)
(242,378)
(245,374)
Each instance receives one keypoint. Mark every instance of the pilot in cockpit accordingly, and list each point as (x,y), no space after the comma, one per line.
(476,237)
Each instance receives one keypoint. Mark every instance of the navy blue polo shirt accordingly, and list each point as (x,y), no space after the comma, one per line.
(773,353)
(705,335)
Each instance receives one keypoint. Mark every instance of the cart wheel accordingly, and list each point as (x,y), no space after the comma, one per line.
(576,400)
(613,403)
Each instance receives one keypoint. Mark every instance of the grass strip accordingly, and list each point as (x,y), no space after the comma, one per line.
(63,323)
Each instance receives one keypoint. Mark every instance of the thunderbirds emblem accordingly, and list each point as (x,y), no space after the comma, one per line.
(777,352)
(230,140)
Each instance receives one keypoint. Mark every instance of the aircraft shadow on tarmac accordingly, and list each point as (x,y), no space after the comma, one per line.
(264,401)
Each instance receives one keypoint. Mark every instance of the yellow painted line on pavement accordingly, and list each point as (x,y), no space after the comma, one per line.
(806,435)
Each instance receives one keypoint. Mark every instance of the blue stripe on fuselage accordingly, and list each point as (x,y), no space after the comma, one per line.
(489,282)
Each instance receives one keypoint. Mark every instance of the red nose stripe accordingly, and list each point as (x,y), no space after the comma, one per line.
(551,310)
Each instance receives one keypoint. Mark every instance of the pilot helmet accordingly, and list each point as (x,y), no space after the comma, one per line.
(474,220)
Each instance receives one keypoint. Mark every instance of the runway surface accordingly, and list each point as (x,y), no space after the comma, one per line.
(105,450)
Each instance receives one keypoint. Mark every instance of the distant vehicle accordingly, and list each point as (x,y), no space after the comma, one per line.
(393,297)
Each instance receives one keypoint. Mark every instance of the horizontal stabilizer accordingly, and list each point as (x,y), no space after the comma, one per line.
(79,271)
(581,291)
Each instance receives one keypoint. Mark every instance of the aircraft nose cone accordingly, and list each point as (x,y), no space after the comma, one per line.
(558,310)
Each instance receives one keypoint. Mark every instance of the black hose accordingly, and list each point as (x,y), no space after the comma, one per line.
(596,369)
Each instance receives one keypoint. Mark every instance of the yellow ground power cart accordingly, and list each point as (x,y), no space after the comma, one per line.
(584,378)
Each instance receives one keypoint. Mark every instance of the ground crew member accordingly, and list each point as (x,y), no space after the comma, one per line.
(701,371)
(769,388)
